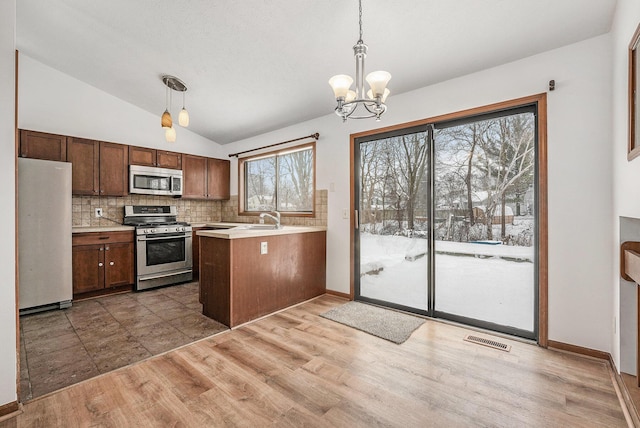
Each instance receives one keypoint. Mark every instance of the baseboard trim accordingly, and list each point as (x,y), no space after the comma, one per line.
(579,350)
(625,396)
(339,294)
(628,408)
(10,410)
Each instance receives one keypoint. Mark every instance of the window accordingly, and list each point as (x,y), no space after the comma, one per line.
(279,181)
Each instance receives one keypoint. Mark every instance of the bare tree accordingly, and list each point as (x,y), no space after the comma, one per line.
(508,155)
(295,180)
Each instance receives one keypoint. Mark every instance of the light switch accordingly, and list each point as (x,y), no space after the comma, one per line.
(263,248)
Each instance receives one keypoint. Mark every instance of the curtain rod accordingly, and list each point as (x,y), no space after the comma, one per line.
(314,136)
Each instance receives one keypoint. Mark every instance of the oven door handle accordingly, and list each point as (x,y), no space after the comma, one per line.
(163,238)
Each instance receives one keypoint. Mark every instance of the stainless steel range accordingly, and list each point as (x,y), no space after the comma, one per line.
(163,245)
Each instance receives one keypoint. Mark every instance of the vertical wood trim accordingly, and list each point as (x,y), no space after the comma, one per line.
(633,150)
(543,243)
(17,269)
(352,217)
(543,225)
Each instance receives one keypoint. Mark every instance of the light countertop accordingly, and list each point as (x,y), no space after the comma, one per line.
(113,228)
(243,230)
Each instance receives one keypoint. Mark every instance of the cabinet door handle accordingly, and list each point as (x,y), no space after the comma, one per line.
(111,263)
(106,248)
(103,237)
(100,264)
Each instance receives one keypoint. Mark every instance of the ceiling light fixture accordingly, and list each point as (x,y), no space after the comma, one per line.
(373,103)
(174,84)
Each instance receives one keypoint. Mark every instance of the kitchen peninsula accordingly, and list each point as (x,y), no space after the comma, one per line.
(247,272)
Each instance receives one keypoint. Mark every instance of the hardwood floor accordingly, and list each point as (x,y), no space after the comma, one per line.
(298,369)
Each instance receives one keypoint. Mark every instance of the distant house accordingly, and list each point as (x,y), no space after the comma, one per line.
(479,214)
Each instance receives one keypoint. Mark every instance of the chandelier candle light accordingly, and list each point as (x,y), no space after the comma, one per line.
(173,84)
(371,105)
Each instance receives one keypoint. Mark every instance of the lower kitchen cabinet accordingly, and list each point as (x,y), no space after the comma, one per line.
(102,262)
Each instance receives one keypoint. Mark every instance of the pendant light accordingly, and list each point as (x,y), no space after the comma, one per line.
(170,135)
(173,84)
(183,117)
(166,116)
(349,101)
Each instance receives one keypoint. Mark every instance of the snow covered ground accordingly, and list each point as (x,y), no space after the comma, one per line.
(492,283)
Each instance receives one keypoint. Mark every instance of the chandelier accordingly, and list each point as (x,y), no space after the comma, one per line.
(173,84)
(356,104)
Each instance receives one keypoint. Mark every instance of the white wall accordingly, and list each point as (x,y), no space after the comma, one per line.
(8,364)
(51,101)
(580,173)
(626,174)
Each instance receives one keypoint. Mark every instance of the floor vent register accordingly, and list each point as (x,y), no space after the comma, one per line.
(488,342)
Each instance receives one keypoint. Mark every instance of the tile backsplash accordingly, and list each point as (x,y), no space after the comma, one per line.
(191,211)
(230,213)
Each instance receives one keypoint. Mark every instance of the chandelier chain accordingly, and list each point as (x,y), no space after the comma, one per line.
(360,20)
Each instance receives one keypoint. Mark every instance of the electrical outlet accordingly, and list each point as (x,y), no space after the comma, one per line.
(263,248)
(98,212)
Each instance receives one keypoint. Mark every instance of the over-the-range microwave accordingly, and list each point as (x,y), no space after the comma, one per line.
(148,180)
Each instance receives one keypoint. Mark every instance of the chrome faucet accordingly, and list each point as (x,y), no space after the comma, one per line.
(275,218)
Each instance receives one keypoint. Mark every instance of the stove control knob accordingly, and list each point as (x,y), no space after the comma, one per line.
(179,229)
(166,229)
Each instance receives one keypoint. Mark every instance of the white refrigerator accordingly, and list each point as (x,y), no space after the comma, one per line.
(44,235)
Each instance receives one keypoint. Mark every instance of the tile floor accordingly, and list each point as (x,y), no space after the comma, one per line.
(62,347)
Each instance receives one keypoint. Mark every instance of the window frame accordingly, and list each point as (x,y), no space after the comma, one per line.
(242,209)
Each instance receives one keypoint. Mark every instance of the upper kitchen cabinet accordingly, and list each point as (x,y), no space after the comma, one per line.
(171,160)
(99,168)
(152,157)
(218,173)
(194,173)
(40,145)
(205,178)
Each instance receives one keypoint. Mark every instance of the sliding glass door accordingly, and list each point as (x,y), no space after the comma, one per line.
(393,205)
(447,220)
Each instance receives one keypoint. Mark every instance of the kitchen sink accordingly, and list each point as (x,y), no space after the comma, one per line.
(261,227)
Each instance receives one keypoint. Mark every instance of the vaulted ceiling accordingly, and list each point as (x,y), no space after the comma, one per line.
(253,66)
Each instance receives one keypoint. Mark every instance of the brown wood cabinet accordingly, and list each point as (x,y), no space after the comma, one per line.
(218,173)
(194,173)
(239,284)
(40,145)
(99,168)
(205,178)
(152,157)
(195,250)
(102,261)
(102,169)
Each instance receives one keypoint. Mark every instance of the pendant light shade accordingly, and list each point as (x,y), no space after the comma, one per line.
(166,119)
(183,117)
(170,135)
